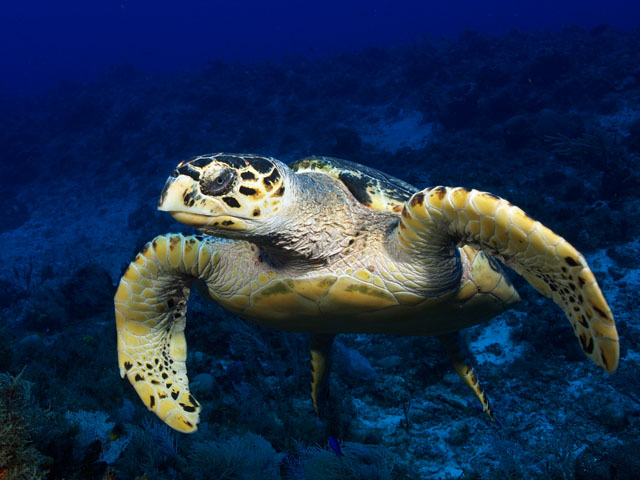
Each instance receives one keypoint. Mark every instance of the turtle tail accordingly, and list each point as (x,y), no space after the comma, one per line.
(150,307)
(435,218)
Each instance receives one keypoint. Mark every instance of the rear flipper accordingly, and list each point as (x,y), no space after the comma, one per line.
(320,365)
(455,346)
(150,306)
(435,218)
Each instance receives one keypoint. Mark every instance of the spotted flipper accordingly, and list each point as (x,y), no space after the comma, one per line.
(435,218)
(454,344)
(320,361)
(150,306)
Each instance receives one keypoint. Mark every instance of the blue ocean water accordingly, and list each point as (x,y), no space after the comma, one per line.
(535,102)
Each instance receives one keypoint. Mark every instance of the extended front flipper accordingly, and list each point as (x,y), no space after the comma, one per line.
(150,306)
(435,218)
(454,344)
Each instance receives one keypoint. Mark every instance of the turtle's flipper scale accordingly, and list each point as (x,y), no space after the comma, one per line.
(320,364)
(150,306)
(459,356)
(435,217)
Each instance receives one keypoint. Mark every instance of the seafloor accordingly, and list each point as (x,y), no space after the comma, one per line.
(550,121)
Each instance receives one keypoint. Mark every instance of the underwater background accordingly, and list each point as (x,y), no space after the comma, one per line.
(537,102)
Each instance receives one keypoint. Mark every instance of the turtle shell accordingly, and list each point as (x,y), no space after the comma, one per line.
(369,186)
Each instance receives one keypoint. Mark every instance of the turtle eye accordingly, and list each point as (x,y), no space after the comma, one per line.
(219,183)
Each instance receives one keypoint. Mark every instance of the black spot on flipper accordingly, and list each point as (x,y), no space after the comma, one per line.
(417,199)
(188,408)
(604,360)
(571,261)
(600,312)
(128,365)
(138,377)
(589,346)
(193,401)
(175,395)
(583,321)
(440,192)
(152,401)
(586,342)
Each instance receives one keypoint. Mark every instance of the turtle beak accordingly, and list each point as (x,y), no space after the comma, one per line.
(175,200)
(178,198)
(171,199)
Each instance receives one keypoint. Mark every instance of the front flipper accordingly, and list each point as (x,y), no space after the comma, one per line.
(458,354)
(435,218)
(150,305)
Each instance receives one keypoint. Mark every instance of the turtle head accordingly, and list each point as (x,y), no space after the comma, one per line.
(226,194)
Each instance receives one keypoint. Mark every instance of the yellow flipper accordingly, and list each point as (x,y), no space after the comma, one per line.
(435,218)
(320,363)
(458,354)
(150,306)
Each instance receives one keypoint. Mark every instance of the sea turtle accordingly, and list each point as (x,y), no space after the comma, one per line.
(325,246)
